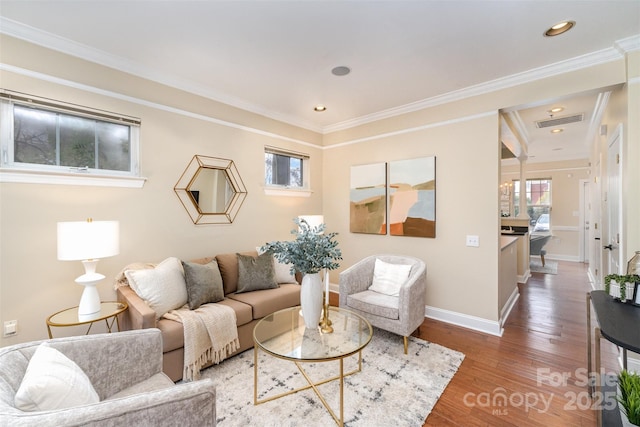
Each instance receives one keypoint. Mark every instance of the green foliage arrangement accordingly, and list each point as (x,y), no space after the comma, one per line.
(622,280)
(310,252)
(629,397)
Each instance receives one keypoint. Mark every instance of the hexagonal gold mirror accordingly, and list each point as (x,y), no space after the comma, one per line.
(211,190)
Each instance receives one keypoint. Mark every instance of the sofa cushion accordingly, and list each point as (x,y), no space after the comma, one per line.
(228,265)
(204,283)
(267,301)
(375,303)
(255,273)
(172,334)
(282,270)
(53,381)
(244,313)
(163,288)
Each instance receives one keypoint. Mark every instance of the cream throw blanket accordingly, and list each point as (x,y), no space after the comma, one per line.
(210,335)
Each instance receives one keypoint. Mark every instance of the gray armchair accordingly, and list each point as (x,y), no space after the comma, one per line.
(537,244)
(402,314)
(125,365)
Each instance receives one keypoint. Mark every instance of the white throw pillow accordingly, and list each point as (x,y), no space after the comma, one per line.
(163,288)
(53,381)
(282,270)
(388,278)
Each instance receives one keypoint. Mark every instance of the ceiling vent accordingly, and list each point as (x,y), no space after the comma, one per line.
(559,121)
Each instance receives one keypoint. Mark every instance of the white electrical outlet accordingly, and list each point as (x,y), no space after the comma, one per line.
(10,328)
(473,241)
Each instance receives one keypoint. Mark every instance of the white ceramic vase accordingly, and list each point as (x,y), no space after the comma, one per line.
(311,299)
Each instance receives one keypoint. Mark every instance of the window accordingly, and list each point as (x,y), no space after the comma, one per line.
(51,137)
(538,202)
(285,170)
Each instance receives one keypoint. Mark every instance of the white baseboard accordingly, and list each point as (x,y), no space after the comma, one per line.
(525,277)
(466,321)
(506,310)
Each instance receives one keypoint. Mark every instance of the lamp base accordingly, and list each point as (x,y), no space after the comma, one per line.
(90,300)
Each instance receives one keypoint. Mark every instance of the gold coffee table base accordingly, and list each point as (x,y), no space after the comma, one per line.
(313,385)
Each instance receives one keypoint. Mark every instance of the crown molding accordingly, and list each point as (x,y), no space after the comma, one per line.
(51,41)
(79,50)
(562,67)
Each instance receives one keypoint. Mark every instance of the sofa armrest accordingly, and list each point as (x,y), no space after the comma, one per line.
(139,315)
(188,404)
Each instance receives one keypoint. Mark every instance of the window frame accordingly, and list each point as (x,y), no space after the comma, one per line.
(548,206)
(12,171)
(286,190)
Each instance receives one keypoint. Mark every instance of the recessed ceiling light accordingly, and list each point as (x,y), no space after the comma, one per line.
(557,149)
(341,71)
(559,28)
(556,110)
(557,130)
(319,108)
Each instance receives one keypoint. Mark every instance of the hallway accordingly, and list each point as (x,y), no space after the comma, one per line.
(534,375)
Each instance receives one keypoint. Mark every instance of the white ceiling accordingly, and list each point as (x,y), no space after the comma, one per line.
(275,57)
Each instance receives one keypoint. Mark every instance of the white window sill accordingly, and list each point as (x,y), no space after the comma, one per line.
(38,177)
(273,191)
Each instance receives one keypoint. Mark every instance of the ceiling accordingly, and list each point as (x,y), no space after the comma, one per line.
(275,57)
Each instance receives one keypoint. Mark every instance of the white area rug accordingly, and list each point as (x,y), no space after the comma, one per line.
(391,390)
(550,267)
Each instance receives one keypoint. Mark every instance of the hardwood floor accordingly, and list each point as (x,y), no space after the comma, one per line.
(537,367)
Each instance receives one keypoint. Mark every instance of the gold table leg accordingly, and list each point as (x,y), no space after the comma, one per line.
(312,385)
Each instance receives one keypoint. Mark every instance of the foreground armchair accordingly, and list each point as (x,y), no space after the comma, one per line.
(125,369)
(401,314)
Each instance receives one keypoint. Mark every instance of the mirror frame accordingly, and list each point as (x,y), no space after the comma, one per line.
(186,181)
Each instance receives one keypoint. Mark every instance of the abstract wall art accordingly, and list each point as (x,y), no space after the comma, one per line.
(368,199)
(412,193)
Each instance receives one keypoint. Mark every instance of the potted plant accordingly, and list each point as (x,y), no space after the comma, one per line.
(629,397)
(620,285)
(312,251)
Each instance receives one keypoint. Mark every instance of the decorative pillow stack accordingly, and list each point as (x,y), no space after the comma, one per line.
(163,288)
(388,278)
(256,273)
(53,381)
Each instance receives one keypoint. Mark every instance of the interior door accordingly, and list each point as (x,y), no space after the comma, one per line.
(613,202)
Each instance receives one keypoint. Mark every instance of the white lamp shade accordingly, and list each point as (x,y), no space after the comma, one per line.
(313,220)
(82,240)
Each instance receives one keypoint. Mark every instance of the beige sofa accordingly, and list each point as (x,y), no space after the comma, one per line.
(249,308)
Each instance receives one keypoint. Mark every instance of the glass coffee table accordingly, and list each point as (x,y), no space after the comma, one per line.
(283,335)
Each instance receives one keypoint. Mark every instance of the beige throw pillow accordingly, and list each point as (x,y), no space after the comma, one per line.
(53,381)
(163,288)
(388,278)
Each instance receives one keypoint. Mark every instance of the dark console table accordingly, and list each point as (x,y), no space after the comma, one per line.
(618,323)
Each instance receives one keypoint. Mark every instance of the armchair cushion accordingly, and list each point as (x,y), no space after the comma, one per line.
(375,303)
(163,287)
(53,381)
(388,278)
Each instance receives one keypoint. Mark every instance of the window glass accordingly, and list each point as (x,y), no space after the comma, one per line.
(538,202)
(40,136)
(285,169)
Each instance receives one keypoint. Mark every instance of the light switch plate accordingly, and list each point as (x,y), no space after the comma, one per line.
(473,241)
(10,328)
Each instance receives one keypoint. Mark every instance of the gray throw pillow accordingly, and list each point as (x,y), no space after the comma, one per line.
(204,283)
(256,273)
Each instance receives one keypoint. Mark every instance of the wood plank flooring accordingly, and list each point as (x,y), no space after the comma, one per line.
(537,367)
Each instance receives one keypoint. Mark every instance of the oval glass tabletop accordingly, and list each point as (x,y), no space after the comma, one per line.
(284,335)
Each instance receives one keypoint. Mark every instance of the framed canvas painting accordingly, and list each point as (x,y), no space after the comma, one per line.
(368,199)
(412,194)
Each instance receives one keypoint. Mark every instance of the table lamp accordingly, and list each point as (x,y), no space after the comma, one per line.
(88,241)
